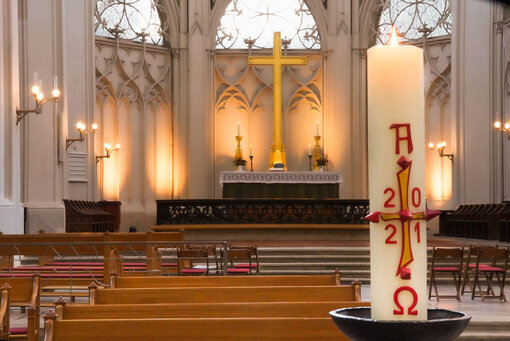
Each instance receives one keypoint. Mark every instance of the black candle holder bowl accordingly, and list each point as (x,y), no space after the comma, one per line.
(441,325)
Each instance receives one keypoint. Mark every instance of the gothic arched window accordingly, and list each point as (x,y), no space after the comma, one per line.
(252,23)
(414,18)
(133,101)
(131,20)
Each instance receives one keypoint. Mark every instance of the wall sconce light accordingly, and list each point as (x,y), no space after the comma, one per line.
(109,151)
(82,129)
(39,98)
(440,146)
(505,128)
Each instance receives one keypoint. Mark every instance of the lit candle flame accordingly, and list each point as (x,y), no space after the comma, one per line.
(55,93)
(394,37)
(497,124)
(36,89)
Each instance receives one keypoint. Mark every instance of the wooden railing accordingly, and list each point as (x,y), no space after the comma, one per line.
(261,211)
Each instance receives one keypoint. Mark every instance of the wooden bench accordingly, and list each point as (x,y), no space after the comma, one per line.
(480,221)
(75,274)
(223,281)
(225,294)
(193,329)
(200,310)
(90,245)
(20,292)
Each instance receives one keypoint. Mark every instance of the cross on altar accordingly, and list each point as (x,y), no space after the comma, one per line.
(277,153)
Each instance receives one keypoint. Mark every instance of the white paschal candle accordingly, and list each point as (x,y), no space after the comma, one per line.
(396,97)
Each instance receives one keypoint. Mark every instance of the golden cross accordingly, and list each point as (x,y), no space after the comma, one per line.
(277,154)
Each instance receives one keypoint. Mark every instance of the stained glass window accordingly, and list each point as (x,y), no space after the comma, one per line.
(414,18)
(131,19)
(252,23)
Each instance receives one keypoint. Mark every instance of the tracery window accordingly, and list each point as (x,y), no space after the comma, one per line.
(252,23)
(411,17)
(133,103)
(131,19)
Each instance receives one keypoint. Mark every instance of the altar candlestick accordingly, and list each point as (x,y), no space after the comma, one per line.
(396,143)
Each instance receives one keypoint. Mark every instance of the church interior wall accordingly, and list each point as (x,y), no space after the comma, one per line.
(192,142)
(11,211)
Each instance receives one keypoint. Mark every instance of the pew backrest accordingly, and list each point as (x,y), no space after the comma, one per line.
(224,294)
(203,310)
(222,281)
(210,329)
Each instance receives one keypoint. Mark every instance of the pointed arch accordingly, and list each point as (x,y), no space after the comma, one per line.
(308,35)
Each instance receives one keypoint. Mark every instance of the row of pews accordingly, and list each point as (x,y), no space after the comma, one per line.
(206,308)
(105,249)
(186,308)
(136,305)
(479,221)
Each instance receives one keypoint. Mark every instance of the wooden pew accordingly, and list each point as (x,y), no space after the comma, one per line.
(55,278)
(225,294)
(20,292)
(200,310)
(222,281)
(193,329)
(479,221)
(94,247)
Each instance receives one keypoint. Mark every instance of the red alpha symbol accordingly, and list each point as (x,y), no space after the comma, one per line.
(399,138)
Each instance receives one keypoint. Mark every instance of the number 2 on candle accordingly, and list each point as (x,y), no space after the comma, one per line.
(390,240)
(388,203)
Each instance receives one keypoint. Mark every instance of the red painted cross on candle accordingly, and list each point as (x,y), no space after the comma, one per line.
(404,215)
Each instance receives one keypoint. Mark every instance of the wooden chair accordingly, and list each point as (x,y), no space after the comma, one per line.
(456,257)
(498,265)
(469,268)
(20,292)
(254,264)
(187,261)
(236,257)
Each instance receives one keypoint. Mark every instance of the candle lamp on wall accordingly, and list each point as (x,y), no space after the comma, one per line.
(109,151)
(440,146)
(38,94)
(82,129)
(503,127)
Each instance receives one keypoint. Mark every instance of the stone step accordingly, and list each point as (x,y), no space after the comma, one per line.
(487,335)
(312,250)
(496,326)
(314,258)
(308,265)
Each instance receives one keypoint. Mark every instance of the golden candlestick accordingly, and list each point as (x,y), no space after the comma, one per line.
(316,153)
(239,152)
